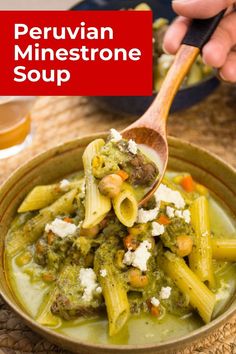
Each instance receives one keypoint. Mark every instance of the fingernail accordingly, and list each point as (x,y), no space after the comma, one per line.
(164,49)
(221,76)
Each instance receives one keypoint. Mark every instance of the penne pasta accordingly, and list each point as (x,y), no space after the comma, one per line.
(16,240)
(42,196)
(116,300)
(96,204)
(126,206)
(113,290)
(200,297)
(200,259)
(224,249)
(45,316)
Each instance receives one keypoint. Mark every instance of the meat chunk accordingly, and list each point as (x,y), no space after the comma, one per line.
(69,308)
(69,301)
(142,172)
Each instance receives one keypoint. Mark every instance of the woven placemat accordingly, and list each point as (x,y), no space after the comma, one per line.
(211,124)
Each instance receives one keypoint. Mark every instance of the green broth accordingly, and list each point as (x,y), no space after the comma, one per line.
(140,329)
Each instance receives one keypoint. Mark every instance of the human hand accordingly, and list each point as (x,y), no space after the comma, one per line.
(220,51)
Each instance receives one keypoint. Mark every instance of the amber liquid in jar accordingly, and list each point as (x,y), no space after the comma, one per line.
(14,122)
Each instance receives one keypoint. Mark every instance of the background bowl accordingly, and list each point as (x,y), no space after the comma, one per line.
(67,158)
(137,105)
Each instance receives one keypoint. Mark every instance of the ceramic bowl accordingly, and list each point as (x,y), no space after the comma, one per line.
(65,159)
(137,105)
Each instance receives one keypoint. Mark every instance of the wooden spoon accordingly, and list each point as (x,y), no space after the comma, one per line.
(150,129)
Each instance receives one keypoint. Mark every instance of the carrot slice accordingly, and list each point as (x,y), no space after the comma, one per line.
(188,184)
(68,220)
(124,175)
(130,242)
(155,311)
(163,220)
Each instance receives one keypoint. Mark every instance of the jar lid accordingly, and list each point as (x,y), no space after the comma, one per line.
(16,134)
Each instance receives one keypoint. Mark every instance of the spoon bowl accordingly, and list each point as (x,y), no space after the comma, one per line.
(157,150)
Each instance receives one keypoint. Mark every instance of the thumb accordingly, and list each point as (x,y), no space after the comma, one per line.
(200,8)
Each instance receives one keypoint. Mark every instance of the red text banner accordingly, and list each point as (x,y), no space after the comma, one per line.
(88,53)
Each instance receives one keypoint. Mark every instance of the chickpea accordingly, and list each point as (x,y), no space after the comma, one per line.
(110,185)
(91,232)
(184,245)
(136,279)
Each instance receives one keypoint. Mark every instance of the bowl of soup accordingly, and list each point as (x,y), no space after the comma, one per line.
(93,271)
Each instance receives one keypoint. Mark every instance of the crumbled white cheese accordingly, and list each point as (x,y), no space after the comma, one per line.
(168,195)
(183,214)
(99,290)
(88,281)
(170,212)
(103,273)
(132,147)
(165,292)
(128,257)
(61,228)
(187,216)
(155,302)
(115,135)
(157,229)
(179,213)
(64,185)
(139,257)
(142,255)
(147,215)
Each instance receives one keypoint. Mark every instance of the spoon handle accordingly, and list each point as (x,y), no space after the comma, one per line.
(198,34)
(200,31)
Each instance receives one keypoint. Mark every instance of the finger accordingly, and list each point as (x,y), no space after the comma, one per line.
(228,71)
(223,39)
(200,8)
(175,34)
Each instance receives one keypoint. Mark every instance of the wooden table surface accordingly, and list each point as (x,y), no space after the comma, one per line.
(210,124)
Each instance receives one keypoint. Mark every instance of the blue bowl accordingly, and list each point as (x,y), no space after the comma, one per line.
(137,105)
